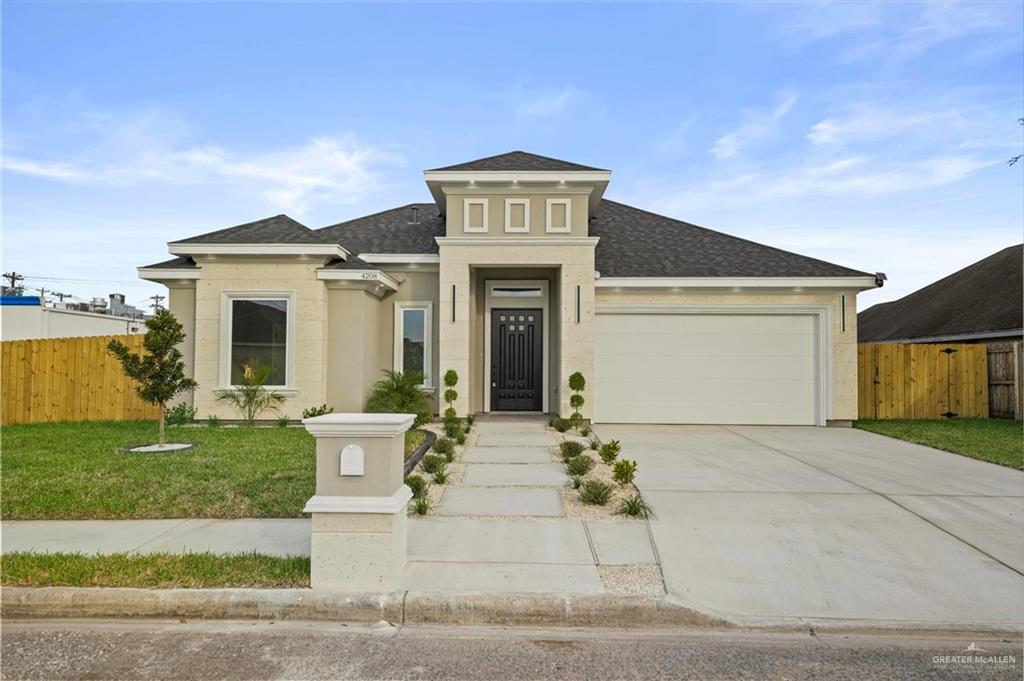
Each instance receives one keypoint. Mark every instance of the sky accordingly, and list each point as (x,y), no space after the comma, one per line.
(874,135)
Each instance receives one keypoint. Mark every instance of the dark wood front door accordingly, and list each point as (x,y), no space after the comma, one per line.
(517,350)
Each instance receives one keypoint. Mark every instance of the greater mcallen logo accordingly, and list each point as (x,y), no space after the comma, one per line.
(973,658)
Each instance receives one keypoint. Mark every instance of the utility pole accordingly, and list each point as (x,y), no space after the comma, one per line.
(14,278)
(156,302)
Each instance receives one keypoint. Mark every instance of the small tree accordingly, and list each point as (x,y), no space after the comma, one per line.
(577,383)
(451,379)
(160,373)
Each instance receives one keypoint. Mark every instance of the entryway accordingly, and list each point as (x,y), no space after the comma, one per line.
(517,359)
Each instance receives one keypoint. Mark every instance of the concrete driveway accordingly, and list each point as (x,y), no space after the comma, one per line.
(762,524)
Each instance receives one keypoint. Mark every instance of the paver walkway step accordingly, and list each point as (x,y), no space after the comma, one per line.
(513,475)
(537,438)
(486,501)
(506,455)
(489,540)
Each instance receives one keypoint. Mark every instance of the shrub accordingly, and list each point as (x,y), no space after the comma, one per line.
(552,421)
(417,484)
(213,421)
(584,431)
(575,481)
(441,476)
(450,414)
(596,492)
(432,463)
(570,448)
(577,383)
(636,507)
(469,421)
(159,374)
(443,445)
(250,397)
(460,439)
(317,411)
(452,429)
(180,414)
(283,421)
(421,505)
(399,393)
(624,471)
(561,425)
(579,465)
(608,453)
(451,379)
(595,444)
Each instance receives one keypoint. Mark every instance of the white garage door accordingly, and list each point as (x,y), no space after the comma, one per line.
(705,368)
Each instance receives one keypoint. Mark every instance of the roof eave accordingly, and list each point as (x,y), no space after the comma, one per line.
(309,249)
(858,283)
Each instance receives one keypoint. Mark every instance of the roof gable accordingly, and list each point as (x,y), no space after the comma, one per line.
(279,229)
(520,161)
(981,298)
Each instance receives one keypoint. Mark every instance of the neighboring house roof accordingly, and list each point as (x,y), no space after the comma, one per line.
(180,263)
(637,243)
(980,299)
(279,229)
(390,231)
(517,161)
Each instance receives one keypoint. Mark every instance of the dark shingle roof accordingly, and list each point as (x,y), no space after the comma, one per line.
(518,161)
(279,229)
(981,298)
(183,263)
(390,231)
(353,263)
(636,243)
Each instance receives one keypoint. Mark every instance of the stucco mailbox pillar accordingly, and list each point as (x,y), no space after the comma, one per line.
(359,516)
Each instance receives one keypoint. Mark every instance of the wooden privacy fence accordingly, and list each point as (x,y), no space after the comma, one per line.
(68,379)
(922,381)
(1005,377)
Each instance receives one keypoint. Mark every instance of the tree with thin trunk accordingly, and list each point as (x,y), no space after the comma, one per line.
(160,373)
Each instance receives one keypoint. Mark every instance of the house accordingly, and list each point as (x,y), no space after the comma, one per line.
(518,274)
(980,303)
(23,317)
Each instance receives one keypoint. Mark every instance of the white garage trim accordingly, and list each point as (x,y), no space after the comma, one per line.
(822,313)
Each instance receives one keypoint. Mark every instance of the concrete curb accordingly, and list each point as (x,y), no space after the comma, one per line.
(398,607)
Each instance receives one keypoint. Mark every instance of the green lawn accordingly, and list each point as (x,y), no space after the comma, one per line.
(79,471)
(996,440)
(163,571)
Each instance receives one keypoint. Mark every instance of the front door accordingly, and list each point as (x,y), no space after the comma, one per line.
(516,360)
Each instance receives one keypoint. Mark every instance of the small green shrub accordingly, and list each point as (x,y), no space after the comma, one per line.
(441,476)
(636,507)
(595,444)
(577,383)
(417,484)
(421,505)
(561,425)
(469,421)
(449,413)
(570,448)
(575,481)
(452,429)
(443,445)
(399,393)
(180,414)
(551,421)
(283,421)
(460,439)
(624,471)
(213,421)
(608,453)
(579,465)
(317,411)
(432,463)
(596,492)
(585,431)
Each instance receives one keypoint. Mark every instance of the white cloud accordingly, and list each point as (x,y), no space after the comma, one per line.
(548,104)
(142,150)
(760,125)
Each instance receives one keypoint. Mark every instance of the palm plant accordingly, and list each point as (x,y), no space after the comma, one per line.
(250,397)
(400,393)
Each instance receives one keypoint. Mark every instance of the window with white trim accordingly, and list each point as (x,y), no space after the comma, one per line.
(559,216)
(517,216)
(258,329)
(474,215)
(413,344)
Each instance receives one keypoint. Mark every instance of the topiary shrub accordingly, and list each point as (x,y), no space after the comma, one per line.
(432,463)
(596,492)
(624,471)
(579,465)
(417,484)
(570,448)
(577,383)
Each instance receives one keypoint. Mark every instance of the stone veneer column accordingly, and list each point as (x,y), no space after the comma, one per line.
(577,352)
(454,336)
(359,509)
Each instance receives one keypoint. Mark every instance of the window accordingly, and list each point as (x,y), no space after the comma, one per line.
(259,337)
(413,346)
(517,216)
(474,215)
(559,215)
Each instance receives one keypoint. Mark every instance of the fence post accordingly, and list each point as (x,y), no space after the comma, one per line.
(359,509)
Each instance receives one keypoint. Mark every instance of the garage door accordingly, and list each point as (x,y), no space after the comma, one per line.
(705,368)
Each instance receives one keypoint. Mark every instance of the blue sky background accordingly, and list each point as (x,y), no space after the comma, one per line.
(874,135)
